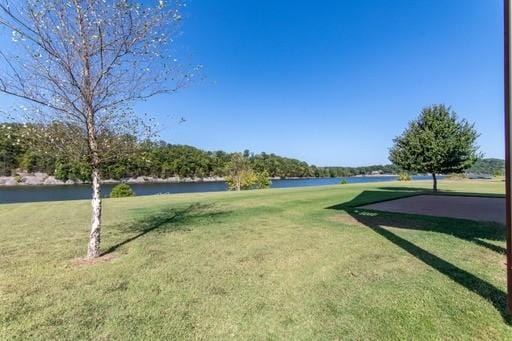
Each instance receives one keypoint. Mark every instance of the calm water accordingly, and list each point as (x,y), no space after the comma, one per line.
(73,192)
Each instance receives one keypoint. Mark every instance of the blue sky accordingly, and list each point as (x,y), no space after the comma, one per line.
(332,82)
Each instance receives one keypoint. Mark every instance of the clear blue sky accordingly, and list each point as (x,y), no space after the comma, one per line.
(332,82)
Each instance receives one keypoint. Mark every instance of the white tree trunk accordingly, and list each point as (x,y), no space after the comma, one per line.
(93,249)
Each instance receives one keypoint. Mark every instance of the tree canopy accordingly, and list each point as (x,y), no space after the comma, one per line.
(157,159)
(436,142)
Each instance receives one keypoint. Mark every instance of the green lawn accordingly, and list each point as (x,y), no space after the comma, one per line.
(271,264)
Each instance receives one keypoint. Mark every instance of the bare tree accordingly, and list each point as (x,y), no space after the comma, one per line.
(83,64)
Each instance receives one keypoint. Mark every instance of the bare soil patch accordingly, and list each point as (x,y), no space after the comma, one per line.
(102,259)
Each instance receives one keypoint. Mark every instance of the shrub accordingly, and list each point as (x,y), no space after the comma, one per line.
(248,179)
(72,171)
(404,176)
(121,191)
(343,182)
(262,180)
(61,171)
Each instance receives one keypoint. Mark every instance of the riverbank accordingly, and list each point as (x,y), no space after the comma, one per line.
(26,193)
(42,179)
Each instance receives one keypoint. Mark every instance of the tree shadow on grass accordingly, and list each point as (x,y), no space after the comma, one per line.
(410,189)
(467,230)
(475,232)
(164,220)
(422,191)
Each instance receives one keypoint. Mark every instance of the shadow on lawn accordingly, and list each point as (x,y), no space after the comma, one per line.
(165,220)
(421,191)
(467,230)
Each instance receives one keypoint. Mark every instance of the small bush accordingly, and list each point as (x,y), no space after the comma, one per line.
(343,182)
(404,176)
(262,180)
(122,191)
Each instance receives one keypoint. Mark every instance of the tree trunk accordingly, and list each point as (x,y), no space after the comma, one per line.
(93,249)
(238,182)
(434,178)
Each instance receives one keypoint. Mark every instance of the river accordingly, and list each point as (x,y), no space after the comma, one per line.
(17,194)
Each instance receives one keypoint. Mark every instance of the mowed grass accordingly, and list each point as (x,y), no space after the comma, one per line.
(271,264)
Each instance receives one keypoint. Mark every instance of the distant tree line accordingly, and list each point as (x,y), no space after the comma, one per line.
(155,159)
(489,166)
(354,171)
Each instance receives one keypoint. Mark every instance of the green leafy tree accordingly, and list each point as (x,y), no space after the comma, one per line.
(238,172)
(436,142)
(240,175)
(498,172)
(488,166)
(52,147)
(12,147)
(72,171)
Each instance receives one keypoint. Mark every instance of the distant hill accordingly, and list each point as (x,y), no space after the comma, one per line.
(488,166)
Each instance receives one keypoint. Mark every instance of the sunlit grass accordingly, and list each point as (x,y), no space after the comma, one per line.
(287,264)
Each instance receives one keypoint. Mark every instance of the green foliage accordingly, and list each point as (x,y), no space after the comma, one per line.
(404,176)
(242,181)
(436,142)
(33,161)
(262,180)
(240,176)
(122,191)
(146,158)
(489,166)
(72,171)
(343,182)
(16,151)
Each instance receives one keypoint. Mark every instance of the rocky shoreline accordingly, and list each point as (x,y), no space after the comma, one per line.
(42,179)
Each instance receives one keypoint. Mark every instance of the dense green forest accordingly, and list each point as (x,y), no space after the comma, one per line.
(488,166)
(156,159)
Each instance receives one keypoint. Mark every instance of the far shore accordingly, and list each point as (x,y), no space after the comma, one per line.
(43,179)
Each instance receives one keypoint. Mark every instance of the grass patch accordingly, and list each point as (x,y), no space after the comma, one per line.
(300,263)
